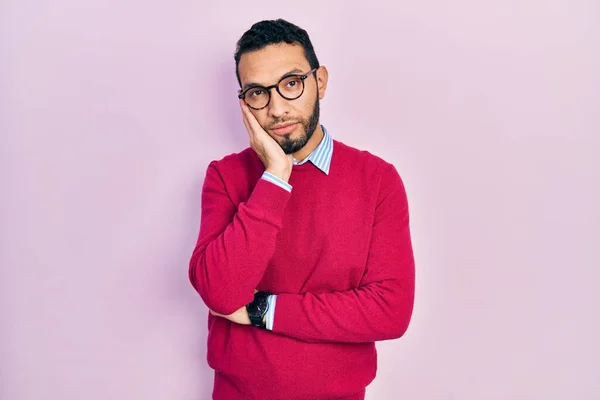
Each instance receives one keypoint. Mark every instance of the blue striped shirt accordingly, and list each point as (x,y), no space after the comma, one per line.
(321,158)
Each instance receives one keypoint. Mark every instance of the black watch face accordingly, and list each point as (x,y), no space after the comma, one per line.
(258,307)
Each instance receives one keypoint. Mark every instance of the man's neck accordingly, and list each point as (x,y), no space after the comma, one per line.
(311,145)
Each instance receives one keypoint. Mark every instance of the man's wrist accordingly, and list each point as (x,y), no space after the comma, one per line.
(276,181)
(279,173)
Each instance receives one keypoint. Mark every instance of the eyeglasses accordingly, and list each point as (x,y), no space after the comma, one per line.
(290,87)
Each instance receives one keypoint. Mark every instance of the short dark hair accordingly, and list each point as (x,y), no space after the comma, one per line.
(264,33)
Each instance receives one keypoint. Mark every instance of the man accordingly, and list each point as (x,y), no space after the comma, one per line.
(304,254)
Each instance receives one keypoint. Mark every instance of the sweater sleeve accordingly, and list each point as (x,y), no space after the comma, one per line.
(235,243)
(381,307)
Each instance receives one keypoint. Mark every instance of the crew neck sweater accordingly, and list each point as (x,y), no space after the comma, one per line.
(336,250)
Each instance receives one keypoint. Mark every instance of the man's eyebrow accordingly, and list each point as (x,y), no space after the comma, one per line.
(291,72)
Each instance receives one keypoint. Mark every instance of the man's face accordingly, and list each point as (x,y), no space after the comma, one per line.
(290,123)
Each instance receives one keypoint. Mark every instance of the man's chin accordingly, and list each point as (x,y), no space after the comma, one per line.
(290,147)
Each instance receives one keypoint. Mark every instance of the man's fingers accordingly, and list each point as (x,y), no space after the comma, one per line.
(245,121)
(252,122)
(245,114)
(245,108)
(249,128)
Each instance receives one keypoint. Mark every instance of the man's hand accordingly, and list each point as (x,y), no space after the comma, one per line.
(239,317)
(268,150)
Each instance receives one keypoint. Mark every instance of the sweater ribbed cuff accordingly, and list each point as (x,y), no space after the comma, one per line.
(269,199)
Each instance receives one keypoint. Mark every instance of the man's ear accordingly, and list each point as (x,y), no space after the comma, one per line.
(322,78)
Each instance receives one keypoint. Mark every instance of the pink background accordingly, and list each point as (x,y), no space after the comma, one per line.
(111,110)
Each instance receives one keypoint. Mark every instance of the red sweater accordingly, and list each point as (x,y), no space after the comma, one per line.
(336,250)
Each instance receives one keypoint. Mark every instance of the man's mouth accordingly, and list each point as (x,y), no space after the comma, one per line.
(283,129)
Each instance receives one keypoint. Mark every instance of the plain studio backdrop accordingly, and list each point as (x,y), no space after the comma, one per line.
(111,111)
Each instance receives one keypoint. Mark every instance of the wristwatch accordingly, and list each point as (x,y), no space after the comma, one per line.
(258,308)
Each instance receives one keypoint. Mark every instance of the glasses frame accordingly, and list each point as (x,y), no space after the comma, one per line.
(302,77)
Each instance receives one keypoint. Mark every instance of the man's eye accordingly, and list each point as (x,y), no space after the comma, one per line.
(257,92)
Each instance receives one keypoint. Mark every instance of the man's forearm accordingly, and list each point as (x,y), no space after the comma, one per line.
(379,311)
(234,246)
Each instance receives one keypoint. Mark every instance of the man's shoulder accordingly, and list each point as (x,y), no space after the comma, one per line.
(244,160)
(238,172)
(374,171)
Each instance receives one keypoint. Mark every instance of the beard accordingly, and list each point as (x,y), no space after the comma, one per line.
(289,145)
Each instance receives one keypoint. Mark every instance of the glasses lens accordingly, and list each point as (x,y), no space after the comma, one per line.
(291,87)
(257,97)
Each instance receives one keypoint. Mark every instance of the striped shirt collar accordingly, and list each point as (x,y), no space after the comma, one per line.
(321,155)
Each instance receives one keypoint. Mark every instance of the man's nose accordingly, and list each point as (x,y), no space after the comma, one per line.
(278,106)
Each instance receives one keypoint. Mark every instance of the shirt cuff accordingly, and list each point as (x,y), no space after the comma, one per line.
(271,311)
(277,181)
